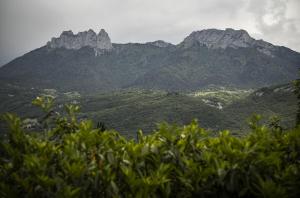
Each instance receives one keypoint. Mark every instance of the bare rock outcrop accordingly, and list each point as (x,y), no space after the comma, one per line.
(160,43)
(99,42)
(228,38)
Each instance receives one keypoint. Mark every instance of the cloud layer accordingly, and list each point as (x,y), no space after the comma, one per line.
(27,25)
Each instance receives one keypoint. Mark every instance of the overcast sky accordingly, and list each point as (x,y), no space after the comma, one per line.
(28,24)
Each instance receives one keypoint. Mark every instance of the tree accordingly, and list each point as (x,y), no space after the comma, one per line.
(297,92)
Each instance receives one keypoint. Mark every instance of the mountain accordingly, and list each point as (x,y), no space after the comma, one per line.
(100,43)
(230,38)
(223,57)
(89,62)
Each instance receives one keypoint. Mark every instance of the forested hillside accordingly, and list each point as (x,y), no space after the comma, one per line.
(127,111)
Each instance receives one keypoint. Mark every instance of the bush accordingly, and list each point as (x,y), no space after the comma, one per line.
(71,158)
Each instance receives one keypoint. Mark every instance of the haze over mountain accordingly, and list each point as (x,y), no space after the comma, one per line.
(89,62)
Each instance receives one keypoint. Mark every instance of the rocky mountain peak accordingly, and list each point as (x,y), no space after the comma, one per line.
(214,38)
(228,38)
(67,33)
(160,43)
(103,40)
(103,33)
(69,40)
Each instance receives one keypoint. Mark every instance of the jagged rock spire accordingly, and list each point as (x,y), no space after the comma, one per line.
(103,40)
(89,38)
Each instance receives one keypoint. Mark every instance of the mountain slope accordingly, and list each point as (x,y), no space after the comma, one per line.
(128,111)
(278,100)
(223,57)
(69,69)
(88,62)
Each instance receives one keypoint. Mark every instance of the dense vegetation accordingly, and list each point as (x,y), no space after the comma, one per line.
(71,158)
(130,110)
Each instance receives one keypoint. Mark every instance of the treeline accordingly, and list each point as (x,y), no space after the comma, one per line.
(71,158)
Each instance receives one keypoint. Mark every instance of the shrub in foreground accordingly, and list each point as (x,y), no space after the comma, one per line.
(71,158)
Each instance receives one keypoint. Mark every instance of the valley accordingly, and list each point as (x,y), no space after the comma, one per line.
(127,111)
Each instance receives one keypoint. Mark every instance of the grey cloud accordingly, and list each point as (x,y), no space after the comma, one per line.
(273,22)
(26,25)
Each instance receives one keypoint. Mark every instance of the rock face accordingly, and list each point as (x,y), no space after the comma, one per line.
(228,38)
(160,43)
(68,40)
(103,40)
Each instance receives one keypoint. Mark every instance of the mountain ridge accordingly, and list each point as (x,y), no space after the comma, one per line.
(99,42)
(208,57)
(214,38)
